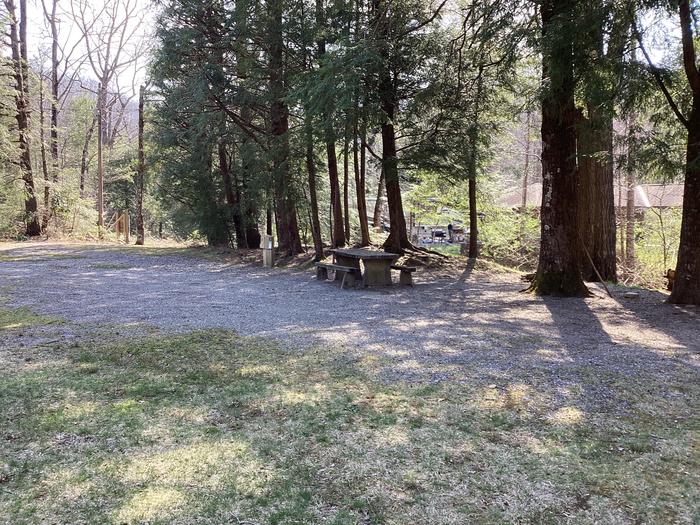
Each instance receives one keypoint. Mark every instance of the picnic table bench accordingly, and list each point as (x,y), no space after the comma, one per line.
(348,274)
(406,275)
(373,267)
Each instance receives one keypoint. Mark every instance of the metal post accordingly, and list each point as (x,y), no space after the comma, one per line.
(268,243)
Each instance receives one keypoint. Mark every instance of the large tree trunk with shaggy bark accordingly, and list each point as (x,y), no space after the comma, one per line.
(686,288)
(559,270)
(285,211)
(596,205)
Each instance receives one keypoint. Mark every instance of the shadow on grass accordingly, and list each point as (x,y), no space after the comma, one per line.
(218,428)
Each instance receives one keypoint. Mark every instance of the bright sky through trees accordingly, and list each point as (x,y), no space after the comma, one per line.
(70,35)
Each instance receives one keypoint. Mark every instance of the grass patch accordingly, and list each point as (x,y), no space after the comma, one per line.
(43,257)
(215,428)
(19,318)
(110,266)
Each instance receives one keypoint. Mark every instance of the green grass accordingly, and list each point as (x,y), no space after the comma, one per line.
(39,258)
(445,248)
(110,266)
(12,319)
(209,427)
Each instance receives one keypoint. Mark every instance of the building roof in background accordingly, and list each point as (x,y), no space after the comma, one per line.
(645,196)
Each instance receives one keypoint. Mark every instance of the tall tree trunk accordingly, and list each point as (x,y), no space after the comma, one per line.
(248,198)
(630,219)
(473,159)
(559,270)
(18,42)
(42,150)
(248,195)
(526,173)
(377,216)
(85,152)
(360,166)
(285,211)
(398,237)
(313,199)
(101,96)
(54,102)
(231,194)
(473,220)
(597,225)
(398,240)
(338,237)
(596,190)
(686,288)
(140,175)
(346,179)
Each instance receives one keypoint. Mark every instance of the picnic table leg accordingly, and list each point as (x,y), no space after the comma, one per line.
(377,272)
(344,261)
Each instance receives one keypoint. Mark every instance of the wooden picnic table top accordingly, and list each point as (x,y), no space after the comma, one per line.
(363,253)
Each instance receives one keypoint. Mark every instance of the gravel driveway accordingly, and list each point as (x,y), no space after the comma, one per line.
(432,332)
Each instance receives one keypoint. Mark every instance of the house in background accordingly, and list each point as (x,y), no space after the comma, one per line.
(645,196)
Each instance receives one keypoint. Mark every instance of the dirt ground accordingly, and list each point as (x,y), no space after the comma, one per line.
(432,329)
(571,410)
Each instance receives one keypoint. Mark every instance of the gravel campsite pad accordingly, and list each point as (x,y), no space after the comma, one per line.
(581,410)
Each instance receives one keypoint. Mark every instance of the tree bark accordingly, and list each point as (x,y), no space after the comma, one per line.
(473,158)
(596,191)
(338,237)
(360,179)
(140,175)
(85,152)
(398,240)
(686,288)
(597,224)
(46,215)
(100,160)
(285,211)
(398,237)
(559,270)
(346,180)
(473,220)
(54,101)
(313,199)
(18,42)
(630,258)
(526,173)
(377,215)
(248,200)
(231,195)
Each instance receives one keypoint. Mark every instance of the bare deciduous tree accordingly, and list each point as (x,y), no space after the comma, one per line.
(112,42)
(18,43)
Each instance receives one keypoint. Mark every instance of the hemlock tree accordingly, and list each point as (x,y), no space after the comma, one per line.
(285,210)
(559,265)
(339,233)
(686,289)
(601,74)
(396,32)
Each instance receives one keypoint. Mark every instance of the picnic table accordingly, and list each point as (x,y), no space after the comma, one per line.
(375,267)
